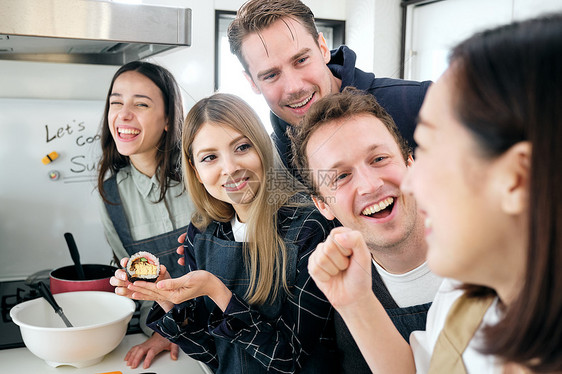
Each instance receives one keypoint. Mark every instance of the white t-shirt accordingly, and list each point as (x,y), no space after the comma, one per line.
(238,229)
(423,342)
(416,287)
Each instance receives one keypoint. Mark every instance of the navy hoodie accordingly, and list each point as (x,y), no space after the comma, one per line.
(402,99)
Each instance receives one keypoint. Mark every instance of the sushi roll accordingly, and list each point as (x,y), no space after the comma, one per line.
(143,266)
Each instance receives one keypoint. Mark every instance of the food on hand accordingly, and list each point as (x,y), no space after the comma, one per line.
(143,266)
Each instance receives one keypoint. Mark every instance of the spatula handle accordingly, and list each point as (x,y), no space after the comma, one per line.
(46,293)
(75,255)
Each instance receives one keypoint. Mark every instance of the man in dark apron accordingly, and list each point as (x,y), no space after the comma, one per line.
(353,158)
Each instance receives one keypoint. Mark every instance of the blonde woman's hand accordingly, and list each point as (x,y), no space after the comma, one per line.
(194,284)
(142,290)
(181,251)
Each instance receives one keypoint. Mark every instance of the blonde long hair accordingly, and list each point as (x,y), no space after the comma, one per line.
(265,249)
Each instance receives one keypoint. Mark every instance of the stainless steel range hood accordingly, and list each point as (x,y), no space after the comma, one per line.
(89,31)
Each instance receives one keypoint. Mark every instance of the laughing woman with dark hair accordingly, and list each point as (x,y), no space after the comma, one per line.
(487,177)
(144,204)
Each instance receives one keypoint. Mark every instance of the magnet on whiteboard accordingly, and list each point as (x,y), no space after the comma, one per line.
(50,157)
(54,175)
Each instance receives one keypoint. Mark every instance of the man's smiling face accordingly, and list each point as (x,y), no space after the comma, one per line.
(288,67)
(358,167)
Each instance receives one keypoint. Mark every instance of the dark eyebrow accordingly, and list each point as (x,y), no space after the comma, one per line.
(238,138)
(300,53)
(136,96)
(340,163)
(266,72)
(296,56)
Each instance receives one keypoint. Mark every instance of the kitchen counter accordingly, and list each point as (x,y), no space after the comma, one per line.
(22,361)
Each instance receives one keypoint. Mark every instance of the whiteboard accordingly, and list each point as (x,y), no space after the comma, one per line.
(35,210)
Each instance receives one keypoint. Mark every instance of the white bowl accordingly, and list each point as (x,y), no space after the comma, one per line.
(99,318)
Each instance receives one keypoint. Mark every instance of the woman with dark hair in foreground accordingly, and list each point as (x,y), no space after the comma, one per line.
(487,177)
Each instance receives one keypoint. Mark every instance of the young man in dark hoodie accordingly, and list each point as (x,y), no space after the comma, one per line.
(289,63)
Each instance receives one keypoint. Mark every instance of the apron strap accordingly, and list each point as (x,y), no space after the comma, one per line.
(462,322)
(211,228)
(293,231)
(292,251)
(381,291)
(116,211)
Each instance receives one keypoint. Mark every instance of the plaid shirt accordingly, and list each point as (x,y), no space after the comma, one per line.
(281,344)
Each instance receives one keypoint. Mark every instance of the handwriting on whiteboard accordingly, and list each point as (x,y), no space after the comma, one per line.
(80,165)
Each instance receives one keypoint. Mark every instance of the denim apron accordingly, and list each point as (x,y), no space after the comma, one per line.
(406,320)
(225,259)
(162,246)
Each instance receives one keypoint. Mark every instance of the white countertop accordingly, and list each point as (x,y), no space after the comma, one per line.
(22,361)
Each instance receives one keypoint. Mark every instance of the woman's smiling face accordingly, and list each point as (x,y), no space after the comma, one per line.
(459,191)
(136,115)
(228,165)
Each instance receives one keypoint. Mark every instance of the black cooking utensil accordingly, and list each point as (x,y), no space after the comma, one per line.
(46,293)
(75,255)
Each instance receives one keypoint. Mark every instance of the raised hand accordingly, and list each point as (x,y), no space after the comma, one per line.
(341,267)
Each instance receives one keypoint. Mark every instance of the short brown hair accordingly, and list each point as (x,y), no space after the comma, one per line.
(345,104)
(256,15)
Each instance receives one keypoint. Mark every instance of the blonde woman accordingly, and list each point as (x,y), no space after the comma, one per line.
(247,303)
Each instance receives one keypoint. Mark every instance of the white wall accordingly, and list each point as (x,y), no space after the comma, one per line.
(388,36)
(22,79)
(373,31)
(432,29)
(360,31)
